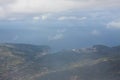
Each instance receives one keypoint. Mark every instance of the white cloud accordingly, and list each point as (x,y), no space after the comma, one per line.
(66,18)
(114,24)
(61,31)
(56,37)
(71,18)
(40,6)
(44,17)
(12,19)
(82,18)
(36,18)
(15,38)
(95,32)
(25,7)
(2,13)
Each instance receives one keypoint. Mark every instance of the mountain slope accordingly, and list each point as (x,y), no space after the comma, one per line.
(30,62)
(17,57)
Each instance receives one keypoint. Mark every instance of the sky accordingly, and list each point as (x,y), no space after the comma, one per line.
(61,24)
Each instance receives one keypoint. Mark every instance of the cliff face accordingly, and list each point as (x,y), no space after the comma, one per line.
(31,62)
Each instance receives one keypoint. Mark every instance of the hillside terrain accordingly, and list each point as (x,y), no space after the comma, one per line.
(33,62)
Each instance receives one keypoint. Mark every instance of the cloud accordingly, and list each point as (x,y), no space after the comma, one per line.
(71,18)
(33,7)
(95,32)
(114,24)
(36,18)
(44,17)
(56,37)
(61,31)
(15,38)
(2,13)
(12,19)
(38,6)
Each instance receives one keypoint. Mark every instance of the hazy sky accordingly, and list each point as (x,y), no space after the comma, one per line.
(60,23)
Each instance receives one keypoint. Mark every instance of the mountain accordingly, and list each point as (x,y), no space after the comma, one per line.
(33,62)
